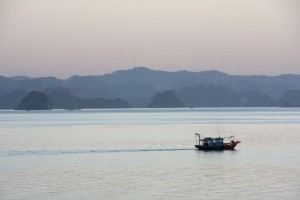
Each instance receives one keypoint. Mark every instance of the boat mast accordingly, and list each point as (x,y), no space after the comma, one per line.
(218,127)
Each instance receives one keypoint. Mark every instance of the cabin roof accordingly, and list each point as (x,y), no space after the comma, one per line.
(209,138)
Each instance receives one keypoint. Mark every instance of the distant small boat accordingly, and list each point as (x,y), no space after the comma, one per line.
(72,108)
(208,143)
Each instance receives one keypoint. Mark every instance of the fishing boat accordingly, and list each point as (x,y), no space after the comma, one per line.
(219,143)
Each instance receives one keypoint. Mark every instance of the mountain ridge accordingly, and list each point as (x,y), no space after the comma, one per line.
(138,85)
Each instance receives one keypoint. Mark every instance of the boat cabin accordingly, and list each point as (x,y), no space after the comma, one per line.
(209,142)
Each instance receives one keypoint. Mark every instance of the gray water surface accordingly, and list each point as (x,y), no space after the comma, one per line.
(149,154)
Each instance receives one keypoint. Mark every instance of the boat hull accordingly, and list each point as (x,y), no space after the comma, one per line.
(226,146)
(210,148)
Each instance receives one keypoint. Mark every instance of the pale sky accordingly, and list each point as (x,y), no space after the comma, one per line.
(91,37)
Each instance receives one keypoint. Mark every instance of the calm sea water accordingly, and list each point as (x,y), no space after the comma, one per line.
(149,154)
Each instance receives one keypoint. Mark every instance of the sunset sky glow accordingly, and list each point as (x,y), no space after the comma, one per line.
(66,37)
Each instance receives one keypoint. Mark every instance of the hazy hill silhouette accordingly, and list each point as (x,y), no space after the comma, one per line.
(139,85)
(63,99)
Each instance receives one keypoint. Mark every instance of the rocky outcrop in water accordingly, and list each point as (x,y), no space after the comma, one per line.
(290,98)
(166,99)
(35,101)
